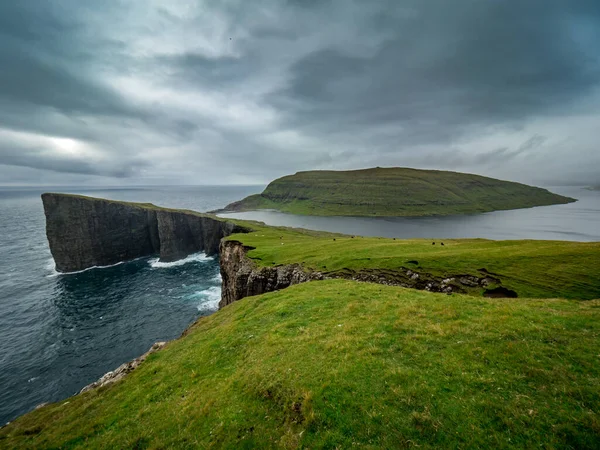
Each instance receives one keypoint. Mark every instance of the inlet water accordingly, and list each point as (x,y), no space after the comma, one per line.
(579,221)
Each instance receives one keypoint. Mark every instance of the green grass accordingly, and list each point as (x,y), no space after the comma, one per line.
(149,206)
(340,364)
(394,192)
(541,269)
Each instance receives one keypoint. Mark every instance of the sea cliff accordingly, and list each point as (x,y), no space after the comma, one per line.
(243,278)
(85,232)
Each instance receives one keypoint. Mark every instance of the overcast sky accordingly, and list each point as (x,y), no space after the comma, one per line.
(121,92)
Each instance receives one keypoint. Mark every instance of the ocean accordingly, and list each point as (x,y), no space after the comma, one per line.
(59,333)
(62,332)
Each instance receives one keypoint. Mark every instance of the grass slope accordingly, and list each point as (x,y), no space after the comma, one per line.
(340,364)
(541,269)
(394,192)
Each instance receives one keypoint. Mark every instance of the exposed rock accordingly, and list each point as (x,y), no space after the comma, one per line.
(86,232)
(123,369)
(485,282)
(470,281)
(243,278)
(182,233)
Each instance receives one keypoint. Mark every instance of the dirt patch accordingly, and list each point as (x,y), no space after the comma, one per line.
(500,292)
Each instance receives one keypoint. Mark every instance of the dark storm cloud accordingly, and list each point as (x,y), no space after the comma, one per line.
(202,91)
(38,158)
(485,62)
(43,67)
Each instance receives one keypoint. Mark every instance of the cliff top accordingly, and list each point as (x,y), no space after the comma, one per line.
(151,206)
(394,192)
(532,268)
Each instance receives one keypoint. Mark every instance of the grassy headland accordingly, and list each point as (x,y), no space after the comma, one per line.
(541,269)
(394,192)
(337,364)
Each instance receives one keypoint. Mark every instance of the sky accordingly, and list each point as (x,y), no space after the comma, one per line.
(138,92)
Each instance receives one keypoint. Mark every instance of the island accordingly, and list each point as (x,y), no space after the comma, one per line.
(393,192)
(331,341)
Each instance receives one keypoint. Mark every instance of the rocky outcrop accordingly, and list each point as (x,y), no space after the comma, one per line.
(120,372)
(85,232)
(243,278)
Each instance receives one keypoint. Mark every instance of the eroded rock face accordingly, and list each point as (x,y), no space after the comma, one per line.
(85,232)
(182,234)
(120,372)
(243,278)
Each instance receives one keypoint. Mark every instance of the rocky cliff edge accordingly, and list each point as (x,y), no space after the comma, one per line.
(86,232)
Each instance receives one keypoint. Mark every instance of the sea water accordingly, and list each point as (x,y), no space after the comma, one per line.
(59,333)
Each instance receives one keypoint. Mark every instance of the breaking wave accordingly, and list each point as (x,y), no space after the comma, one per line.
(210,299)
(155,263)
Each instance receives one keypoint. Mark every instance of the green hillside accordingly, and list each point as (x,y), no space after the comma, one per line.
(540,269)
(394,192)
(340,364)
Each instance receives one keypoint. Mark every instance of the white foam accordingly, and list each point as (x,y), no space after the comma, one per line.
(51,267)
(55,273)
(217,278)
(155,263)
(211,297)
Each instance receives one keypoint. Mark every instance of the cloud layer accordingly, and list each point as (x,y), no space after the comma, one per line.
(205,92)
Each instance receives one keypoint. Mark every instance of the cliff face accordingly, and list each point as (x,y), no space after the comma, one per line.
(181,234)
(242,278)
(85,232)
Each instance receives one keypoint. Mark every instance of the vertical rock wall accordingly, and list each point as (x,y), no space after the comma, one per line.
(242,278)
(181,234)
(85,232)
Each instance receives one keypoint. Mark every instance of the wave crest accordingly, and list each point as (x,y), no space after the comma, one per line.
(155,263)
(211,297)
